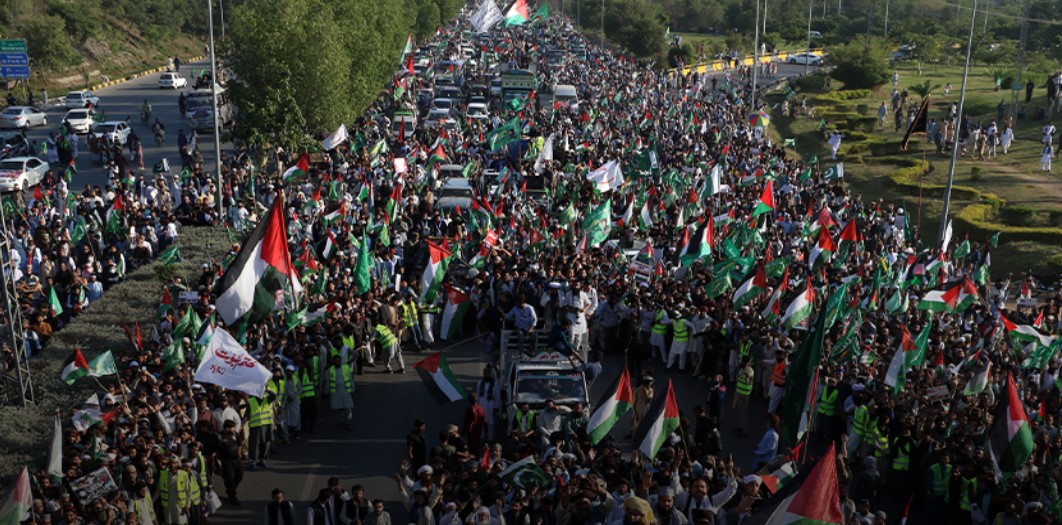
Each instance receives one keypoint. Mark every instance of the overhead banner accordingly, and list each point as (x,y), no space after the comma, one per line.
(228,365)
(486,15)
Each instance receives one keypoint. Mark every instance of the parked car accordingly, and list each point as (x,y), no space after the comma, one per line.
(81,120)
(116,132)
(21,117)
(80,99)
(171,80)
(13,144)
(810,59)
(19,173)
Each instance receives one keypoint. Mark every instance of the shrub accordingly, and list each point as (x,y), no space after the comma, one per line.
(813,82)
(1018,215)
(979,220)
(975,174)
(863,63)
(1054,262)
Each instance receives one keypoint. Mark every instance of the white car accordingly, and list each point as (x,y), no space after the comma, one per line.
(477,111)
(116,132)
(80,99)
(22,117)
(171,80)
(810,59)
(19,173)
(438,117)
(81,120)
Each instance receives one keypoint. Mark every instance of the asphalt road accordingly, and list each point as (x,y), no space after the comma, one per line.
(123,102)
(385,407)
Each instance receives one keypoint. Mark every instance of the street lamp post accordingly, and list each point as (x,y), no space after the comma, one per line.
(602,22)
(214,98)
(811,4)
(755,55)
(886,18)
(221,9)
(958,124)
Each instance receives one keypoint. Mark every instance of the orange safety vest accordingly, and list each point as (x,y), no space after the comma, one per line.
(778,377)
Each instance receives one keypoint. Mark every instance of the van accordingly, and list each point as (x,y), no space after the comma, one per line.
(455,192)
(565,95)
(404,120)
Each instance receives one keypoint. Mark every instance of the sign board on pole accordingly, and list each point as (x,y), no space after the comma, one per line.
(14,60)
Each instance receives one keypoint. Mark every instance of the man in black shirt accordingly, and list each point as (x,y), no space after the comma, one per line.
(416,446)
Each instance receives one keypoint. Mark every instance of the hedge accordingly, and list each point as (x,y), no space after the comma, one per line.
(844,94)
(907,178)
(978,218)
(24,432)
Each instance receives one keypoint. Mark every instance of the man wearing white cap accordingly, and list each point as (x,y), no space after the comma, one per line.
(292,414)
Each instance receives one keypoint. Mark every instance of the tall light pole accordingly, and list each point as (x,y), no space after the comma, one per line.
(764,30)
(221,9)
(958,124)
(602,22)
(811,4)
(755,54)
(886,18)
(214,98)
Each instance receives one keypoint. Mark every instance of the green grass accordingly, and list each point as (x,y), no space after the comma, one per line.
(1015,177)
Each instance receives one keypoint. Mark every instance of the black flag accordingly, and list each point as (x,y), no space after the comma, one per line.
(919,124)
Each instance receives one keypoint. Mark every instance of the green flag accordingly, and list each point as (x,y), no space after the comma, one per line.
(170,255)
(962,250)
(53,301)
(598,224)
(362,277)
(994,241)
(103,365)
(794,407)
(835,305)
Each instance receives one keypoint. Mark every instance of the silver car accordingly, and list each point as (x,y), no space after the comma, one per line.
(19,173)
(22,117)
(80,99)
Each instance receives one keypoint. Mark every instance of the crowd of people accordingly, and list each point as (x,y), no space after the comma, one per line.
(685,263)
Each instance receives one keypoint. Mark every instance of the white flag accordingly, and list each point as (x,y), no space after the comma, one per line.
(544,156)
(340,136)
(55,455)
(715,178)
(947,237)
(485,16)
(228,365)
(607,177)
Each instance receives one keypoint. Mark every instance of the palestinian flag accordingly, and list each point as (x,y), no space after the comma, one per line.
(811,498)
(905,353)
(782,475)
(659,422)
(979,381)
(1024,332)
(525,474)
(766,203)
(394,203)
(248,290)
(1010,440)
(772,310)
(618,401)
(824,220)
(850,235)
(798,315)
(74,367)
(823,248)
(750,289)
(431,279)
(19,500)
(441,382)
(699,247)
(330,245)
(457,305)
(645,218)
(114,223)
(300,170)
(517,14)
(955,299)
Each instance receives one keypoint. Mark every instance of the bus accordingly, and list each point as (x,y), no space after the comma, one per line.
(198,109)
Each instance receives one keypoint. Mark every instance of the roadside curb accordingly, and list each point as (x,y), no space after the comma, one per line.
(152,71)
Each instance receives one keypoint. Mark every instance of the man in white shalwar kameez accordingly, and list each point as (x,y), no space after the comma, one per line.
(292,395)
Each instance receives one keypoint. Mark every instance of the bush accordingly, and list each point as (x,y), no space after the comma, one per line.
(1018,215)
(975,174)
(979,219)
(863,63)
(1054,262)
(683,53)
(49,46)
(813,82)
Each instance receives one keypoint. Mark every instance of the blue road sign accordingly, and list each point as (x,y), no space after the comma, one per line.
(15,72)
(14,59)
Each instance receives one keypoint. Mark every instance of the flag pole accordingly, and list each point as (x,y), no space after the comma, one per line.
(958,127)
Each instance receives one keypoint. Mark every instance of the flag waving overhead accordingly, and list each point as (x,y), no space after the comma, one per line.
(898,366)
(517,14)
(74,367)
(659,422)
(766,203)
(248,290)
(618,401)
(19,500)
(226,364)
(607,177)
(1010,440)
(798,315)
(809,499)
(457,305)
(441,382)
(432,278)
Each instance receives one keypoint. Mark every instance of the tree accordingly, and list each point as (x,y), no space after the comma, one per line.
(862,63)
(427,19)
(635,25)
(47,45)
(923,89)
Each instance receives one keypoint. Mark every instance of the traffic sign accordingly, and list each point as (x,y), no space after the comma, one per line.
(15,72)
(16,45)
(14,59)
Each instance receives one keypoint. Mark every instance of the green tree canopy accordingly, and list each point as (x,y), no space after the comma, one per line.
(862,63)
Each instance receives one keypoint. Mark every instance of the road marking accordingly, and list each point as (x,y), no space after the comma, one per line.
(307,486)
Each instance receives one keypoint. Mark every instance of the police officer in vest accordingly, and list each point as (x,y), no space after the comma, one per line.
(173,492)
(229,457)
(308,389)
(940,480)
(524,424)
(260,423)
(279,511)
(828,410)
(746,378)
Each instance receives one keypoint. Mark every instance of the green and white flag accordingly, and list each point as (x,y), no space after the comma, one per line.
(834,173)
